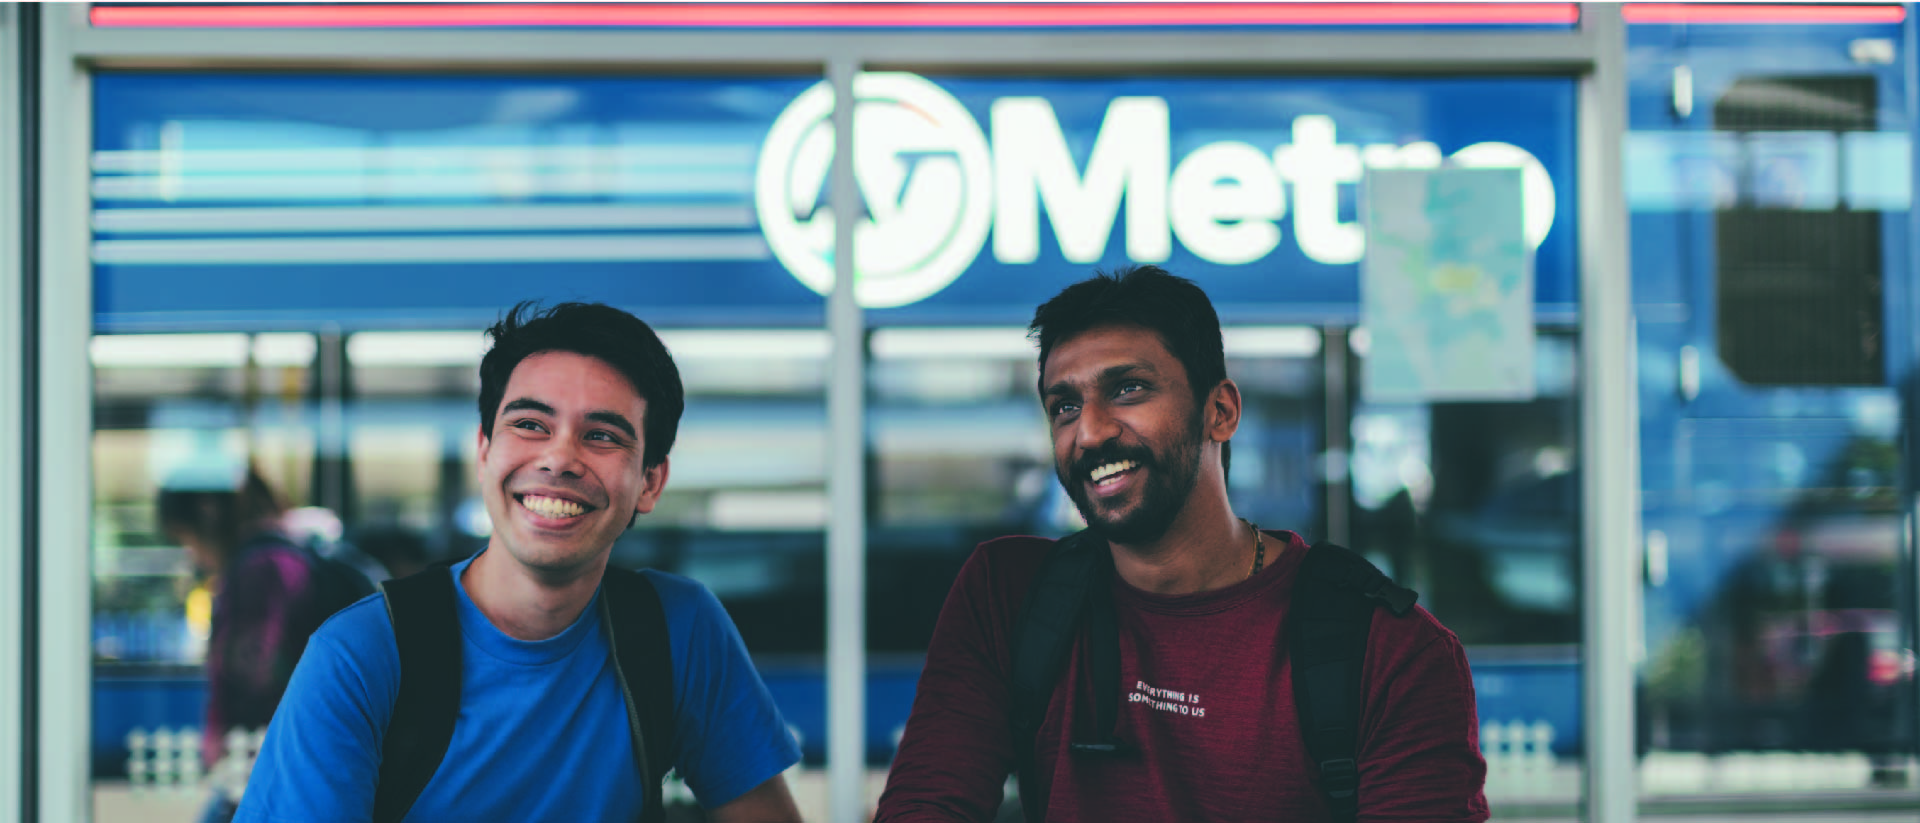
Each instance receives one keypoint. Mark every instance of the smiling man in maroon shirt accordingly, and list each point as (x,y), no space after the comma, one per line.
(1133,382)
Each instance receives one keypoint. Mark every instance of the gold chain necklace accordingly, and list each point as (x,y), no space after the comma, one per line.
(1259,549)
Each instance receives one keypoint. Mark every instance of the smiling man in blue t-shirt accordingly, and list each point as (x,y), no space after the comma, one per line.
(579,405)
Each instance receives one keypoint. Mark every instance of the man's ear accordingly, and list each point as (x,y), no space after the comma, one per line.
(1223,411)
(656,478)
(484,442)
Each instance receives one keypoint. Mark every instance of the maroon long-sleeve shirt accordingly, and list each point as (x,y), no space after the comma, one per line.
(1206,697)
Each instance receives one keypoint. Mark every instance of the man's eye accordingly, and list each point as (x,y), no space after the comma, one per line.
(1064,408)
(527,424)
(600,435)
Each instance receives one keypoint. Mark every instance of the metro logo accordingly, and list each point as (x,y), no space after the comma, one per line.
(931,189)
(1034,165)
(921,166)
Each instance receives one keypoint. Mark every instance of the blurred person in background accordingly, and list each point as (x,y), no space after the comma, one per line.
(1189,711)
(270,592)
(319,529)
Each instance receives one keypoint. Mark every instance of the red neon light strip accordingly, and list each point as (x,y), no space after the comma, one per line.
(1713,13)
(838,15)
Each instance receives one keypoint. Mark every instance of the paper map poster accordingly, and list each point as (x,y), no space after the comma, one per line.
(1446,287)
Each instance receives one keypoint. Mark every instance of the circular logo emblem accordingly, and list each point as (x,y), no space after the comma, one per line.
(923,178)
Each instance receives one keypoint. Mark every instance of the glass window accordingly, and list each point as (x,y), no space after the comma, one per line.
(174,411)
(1799,297)
(1477,506)
(292,271)
(1775,314)
(383,220)
(1249,186)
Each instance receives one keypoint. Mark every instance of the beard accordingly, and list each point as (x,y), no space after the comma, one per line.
(1170,480)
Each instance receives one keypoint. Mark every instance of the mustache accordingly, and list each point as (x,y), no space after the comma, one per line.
(1110,453)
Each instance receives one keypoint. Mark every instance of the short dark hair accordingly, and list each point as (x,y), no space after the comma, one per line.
(1148,297)
(595,330)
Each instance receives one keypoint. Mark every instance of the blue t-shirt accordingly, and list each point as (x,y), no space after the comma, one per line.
(542,732)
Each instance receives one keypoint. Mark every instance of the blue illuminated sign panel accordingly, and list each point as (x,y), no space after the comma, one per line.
(296,202)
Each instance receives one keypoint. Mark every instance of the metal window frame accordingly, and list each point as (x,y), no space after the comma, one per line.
(1611,619)
(1180,52)
(1593,53)
(64,399)
(1908,387)
(13,433)
(846,484)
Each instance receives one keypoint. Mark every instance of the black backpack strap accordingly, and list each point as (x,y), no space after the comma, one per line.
(1331,612)
(1103,658)
(426,628)
(1045,630)
(1074,579)
(636,625)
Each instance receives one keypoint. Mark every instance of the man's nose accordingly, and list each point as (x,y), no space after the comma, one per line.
(1095,426)
(561,456)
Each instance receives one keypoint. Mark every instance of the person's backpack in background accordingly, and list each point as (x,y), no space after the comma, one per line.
(344,573)
(336,583)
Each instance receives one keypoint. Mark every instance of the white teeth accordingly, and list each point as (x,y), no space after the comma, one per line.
(1110,470)
(552,506)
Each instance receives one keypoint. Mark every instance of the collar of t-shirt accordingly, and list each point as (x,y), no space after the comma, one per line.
(1278,572)
(480,632)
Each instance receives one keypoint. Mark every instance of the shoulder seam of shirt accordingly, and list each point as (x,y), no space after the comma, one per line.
(1408,659)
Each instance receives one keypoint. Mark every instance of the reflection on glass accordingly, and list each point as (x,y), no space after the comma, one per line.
(375,223)
(745,513)
(1772,328)
(167,407)
(1793,641)
(1476,505)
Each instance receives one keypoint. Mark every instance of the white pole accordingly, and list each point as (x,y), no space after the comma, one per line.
(1609,428)
(846,485)
(13,410)
(65,401)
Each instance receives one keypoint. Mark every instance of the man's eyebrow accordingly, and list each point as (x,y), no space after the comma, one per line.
(1108,374)
(1060,388)
(614,419)
(1125,369)
(527,403)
